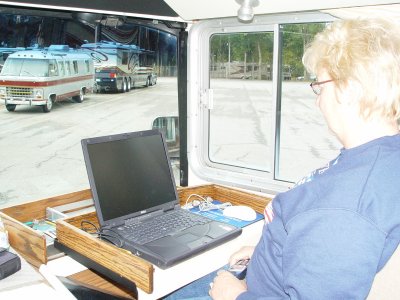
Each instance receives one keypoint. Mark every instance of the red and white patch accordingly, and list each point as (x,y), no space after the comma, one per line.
(268,213)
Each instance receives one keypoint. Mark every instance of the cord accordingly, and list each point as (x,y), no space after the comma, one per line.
(194,203)
(204,204)
(113,238)
(208,205)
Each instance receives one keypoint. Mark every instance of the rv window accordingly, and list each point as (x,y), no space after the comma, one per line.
(67,68)
(303,143)
(61,68)
(53,70)
(124,58)
(87,66)
(257,115)
(241,121)
(75,63)
(240,77)
(81,66)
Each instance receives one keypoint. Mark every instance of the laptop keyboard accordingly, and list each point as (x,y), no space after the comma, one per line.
(161,226)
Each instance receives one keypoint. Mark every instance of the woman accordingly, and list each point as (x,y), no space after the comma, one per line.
(338,227)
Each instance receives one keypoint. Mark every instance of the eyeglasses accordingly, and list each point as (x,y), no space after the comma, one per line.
(316,86)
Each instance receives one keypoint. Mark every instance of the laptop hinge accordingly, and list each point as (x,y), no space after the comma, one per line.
(177,206)
(107,227)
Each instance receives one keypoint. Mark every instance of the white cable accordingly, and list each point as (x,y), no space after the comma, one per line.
(208,205)
(192,204)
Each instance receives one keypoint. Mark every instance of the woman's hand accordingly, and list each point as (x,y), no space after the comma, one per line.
(243,253)
(226,286)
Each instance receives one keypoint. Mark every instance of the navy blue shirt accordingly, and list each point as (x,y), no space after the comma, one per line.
(330,235)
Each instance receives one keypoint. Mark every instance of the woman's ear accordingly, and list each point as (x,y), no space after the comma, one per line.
(351,93)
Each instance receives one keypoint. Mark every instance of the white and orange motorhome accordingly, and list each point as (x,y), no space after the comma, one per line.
(42,76)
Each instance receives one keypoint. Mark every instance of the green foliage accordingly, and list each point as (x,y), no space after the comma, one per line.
(238,44)
(257,47)
(295,38)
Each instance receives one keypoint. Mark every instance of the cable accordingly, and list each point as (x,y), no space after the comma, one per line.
(204,204)
(194,203)
(113,238)
(208,205)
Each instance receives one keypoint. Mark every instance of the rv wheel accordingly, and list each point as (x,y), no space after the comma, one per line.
(78,98)
(47,107)
(126,85)
(11,107)
(123,86)
(129,86)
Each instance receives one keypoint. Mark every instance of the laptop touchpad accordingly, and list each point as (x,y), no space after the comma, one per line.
(186,238)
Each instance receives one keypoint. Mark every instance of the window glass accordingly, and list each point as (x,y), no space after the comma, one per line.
(27,67)
(75,64)
(44,154)
(124,58)
(61,68)
(67,68)
(87,66)
(53,69)
(241,88)
(305,142)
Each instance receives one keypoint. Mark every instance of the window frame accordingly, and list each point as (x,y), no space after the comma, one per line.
(200,100)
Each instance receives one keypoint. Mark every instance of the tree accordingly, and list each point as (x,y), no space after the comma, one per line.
(295,39)
(256,49)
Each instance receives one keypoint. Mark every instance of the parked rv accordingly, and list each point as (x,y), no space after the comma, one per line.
(117,66)
(43,76)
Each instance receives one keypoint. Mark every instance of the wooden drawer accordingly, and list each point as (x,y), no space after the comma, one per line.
(130,268)
(30,243)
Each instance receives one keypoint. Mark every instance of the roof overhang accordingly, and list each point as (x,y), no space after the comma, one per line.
(190,10)
(154,9)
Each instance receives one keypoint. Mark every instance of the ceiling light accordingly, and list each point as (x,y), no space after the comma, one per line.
(245,12)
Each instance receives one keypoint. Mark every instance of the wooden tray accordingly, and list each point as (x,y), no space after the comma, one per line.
(118,261)
(30,243)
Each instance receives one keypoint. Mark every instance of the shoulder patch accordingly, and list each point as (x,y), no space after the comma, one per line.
(268,213)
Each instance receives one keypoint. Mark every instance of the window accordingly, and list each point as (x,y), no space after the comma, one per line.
(304,142)
(87,64)
(256,125)
(124,58)
(240,80)
(61,68)
(53,69)
(26,67)
(46,146)
(67,68)
(75,65)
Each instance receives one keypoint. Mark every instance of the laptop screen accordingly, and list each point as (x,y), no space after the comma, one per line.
(129,174)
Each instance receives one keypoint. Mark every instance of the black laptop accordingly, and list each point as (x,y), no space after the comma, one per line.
(133,186)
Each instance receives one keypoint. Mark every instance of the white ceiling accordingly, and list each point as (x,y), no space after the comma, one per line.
(386,11)
(190,10)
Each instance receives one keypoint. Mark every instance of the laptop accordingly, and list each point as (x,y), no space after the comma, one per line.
(132,184)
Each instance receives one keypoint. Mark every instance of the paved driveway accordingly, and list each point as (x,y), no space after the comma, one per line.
(40,153)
